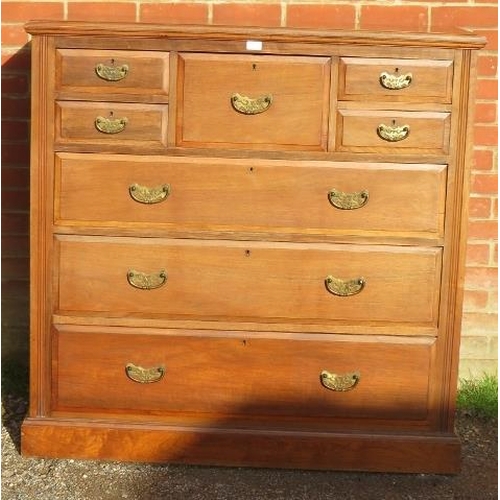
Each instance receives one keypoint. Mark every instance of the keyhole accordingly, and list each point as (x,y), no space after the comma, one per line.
(397,70)
(254,66)
(247,253)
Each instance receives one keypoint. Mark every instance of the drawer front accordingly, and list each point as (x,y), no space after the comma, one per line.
(395,79)
(109,126)
(227,374)
(314,198)
(108,72)
(251,101)
(241,281)
(395,131)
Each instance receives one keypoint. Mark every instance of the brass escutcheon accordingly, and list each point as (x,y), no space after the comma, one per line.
(111,73)
(348,201)
(144,375)
(110,125)
(393,133)
(145,281)
(339,383)
(344,288)
(396,81)
(249,106)
(149,195)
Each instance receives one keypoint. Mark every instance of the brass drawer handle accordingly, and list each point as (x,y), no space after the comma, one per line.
(339,383)
(110,125)
(145,281)
(249,106)
(348,201)
(395,81)
(149,195)
(144,375)
(393,133)
(111,73)
(344,288)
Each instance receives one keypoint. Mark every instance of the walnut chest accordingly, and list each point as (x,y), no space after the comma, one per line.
(247,245)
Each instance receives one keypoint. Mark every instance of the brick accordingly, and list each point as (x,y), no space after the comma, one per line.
(493,347)
(14,35)
(16,311)
(404,17)
(24,11)
(15,130)
(485,112)
(471,369)
(491,36)
(484,183)
(478,254)
(14,83)
(247,14)
(15,267)
(493,301)
(15,345)
(475,300)
(487,65)
(16,60)
(482,229)
(15,246)
(18,291)
(15,153)
(106,11)
(481,278)
(494,255)
(15,200)
(480,324)
(16,107)
(482,159)
(474,347)
(15,224)
(464,17)
(487,89)
(174,13)
(480,207)
(494,208)
(15,177)
(485,135)
(321,16)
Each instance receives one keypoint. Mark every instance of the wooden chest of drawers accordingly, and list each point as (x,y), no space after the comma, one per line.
(247,245)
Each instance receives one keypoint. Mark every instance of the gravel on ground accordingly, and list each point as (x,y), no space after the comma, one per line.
(44,479)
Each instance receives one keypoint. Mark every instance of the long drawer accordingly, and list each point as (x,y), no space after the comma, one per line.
(248,280)
(226,374)
(314,198)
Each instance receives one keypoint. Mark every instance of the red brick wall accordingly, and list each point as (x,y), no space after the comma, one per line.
(479,345)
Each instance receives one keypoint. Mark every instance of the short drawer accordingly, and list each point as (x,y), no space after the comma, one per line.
(312,199)
(397,131)
(252,101)
(248,281)
(110,126)
(144,74)
(395,79)
(230,375)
